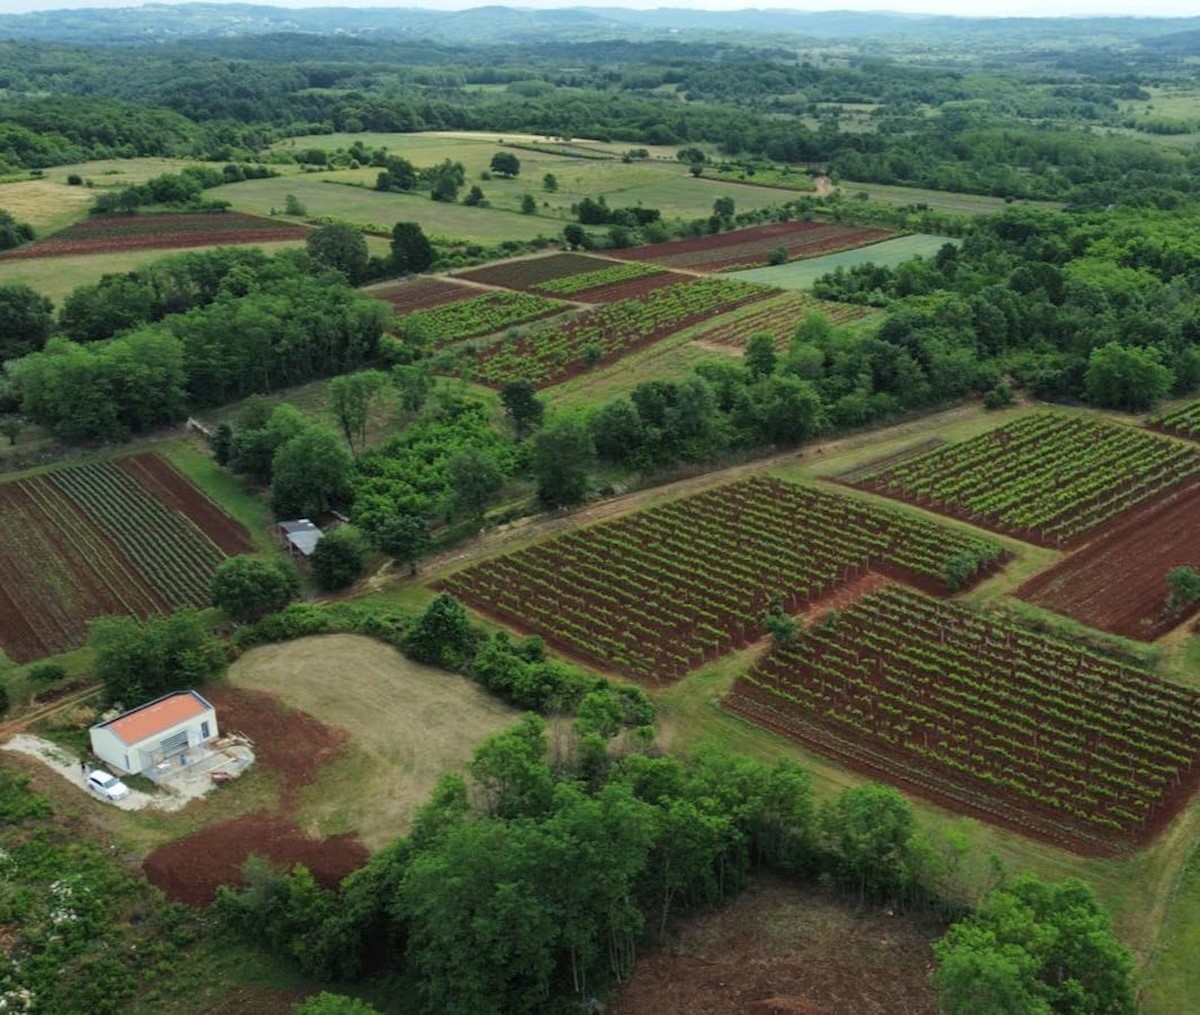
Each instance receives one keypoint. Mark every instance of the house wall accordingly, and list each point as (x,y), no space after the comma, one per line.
(133,759)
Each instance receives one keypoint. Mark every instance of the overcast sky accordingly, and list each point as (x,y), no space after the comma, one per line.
(977,8)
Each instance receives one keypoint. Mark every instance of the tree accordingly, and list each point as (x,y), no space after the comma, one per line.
(1035,947)
(506,164)
(292,205)
(550,183)
(403,537)
(442,636)
(723,208)
(473,478)
(248,588)
(310,474)
(576,237)
(326,1003)
(26,319)
(867,831)
(11,428)
(522,407)
(411,250)
(528,204)
(562,455)
(340,247)
(338,558)
(1184,586)
(696,169)
(1125,377)
(790,410)
(444,189)
(760,357)
(474,197)
(139,660)
(44,674)
(352,397)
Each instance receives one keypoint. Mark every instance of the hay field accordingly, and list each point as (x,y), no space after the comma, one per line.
(408,725)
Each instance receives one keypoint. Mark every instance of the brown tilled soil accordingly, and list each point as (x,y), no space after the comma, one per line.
(287,742)
(782,949)
(189,870)
(1118,582)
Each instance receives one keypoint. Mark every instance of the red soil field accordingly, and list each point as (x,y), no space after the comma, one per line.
(422,292)
(630,288)
(532,271)
(189,870)
(69,553)
(1118,582)
(751,247)
(109,234)
(784,949)
(290,743)
(159,477)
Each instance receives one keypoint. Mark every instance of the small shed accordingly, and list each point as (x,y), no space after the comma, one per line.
(151,738)
(298,537)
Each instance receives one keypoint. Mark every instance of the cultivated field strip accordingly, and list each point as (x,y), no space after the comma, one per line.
(1023,729)
(661,591)
(606,276)
(1183,422)
(553,353)
(129,536)
(751,247)
(422,293)
(480,315)
(1048,478)
(778,317)
(532,272)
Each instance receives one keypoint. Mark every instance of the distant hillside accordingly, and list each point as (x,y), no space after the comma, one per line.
(155,23)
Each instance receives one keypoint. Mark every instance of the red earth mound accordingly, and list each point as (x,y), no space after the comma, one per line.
(290,743)
(189,870)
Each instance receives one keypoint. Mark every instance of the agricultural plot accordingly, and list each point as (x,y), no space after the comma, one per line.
(552,354)
(578,277)
(421,293)
(777,317)
(110,234)
(1118,582)
(126,536)
(660,592)
(1049,479)
(528,273)
(1183,422)
(985,717)
(480,315)
(632,288)
(752,247)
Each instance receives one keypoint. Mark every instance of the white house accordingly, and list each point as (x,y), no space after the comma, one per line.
(151,738)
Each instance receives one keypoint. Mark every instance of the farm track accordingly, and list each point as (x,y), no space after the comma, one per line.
(38,713)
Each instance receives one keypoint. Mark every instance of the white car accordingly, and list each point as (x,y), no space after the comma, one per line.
(107,785)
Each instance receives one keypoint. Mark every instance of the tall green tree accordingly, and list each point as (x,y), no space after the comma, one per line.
(338,558)
(248,588)
(867,831)
(310,474)
(340,247)
(352,398)
(506,164)
(26,319)
(522,407)
(140,660)
(563,453)
(1125,377)
(473,478)
(411,250)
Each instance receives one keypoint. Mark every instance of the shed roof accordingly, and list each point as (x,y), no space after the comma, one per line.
(302,534)
(146,720)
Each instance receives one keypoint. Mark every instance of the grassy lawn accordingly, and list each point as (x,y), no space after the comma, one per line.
(408,725)
(46,205)
(802,274)
(943,200)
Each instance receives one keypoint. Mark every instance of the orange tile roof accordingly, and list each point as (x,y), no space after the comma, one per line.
(157,716)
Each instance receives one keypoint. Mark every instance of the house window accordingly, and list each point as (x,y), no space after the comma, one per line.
(204,730)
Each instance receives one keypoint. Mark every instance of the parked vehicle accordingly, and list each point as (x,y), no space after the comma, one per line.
(107,785)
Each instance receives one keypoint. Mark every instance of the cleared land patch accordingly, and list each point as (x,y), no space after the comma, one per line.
(549,355)
(1118,583)
(1045,736)
(777,317)
(742,247)
(123,536)
(888,253)
(406,726)
(421,293)
(658,593)
(106,234)
(1049,479)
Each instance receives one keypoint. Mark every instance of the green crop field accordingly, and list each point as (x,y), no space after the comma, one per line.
(802,274)
(941,200)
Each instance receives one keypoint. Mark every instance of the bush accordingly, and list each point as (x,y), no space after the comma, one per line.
(46,673)
(778,256)
(1000,396)
(339,558)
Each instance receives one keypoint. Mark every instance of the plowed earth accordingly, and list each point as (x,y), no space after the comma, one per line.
(780,949)
(1118,582)
(110,234)
(423,292)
